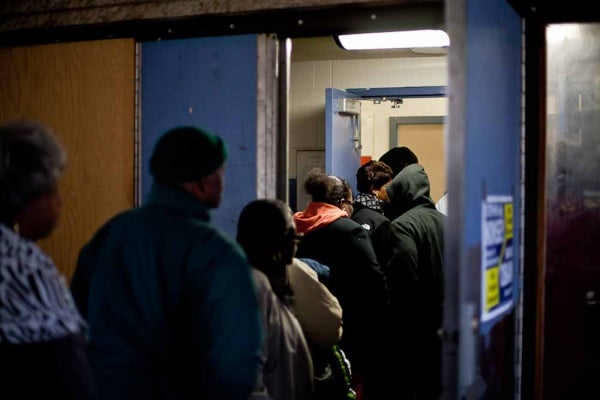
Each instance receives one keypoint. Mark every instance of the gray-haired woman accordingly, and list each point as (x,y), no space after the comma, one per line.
(41,333)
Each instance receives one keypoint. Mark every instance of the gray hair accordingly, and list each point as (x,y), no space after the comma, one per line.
(31,161)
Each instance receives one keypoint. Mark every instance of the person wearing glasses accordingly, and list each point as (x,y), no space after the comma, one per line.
(331,237)
(290,295)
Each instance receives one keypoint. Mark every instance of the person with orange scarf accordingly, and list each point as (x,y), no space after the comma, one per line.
(356,279)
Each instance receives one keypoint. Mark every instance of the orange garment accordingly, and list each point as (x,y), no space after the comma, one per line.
(317,215)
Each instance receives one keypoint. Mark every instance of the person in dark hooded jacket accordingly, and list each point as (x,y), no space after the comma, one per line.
(415,275)
(397,158)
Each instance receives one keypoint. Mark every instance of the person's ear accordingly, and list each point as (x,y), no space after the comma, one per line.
(195,188)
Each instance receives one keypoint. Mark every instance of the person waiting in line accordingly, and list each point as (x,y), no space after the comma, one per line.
(397,158)
(371,179)
(356,278)
(170,300)
(296,284)
(42,335)
(347,201)
(287,370)
(415,276)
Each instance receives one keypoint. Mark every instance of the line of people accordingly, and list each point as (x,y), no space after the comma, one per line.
(342,300)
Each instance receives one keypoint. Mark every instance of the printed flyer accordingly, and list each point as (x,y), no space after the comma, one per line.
(497,257)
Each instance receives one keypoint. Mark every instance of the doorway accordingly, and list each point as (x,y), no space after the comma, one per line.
(318,63)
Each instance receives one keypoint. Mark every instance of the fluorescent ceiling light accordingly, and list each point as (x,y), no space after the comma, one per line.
(394,40)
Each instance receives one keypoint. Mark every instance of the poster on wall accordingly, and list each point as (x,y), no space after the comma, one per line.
(497,257)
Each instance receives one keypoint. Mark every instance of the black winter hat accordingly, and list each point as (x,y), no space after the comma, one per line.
(398,158)
(186,154)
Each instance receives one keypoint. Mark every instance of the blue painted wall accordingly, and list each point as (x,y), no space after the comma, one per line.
(209,82)
(493,116)
(491,167)
(493,108)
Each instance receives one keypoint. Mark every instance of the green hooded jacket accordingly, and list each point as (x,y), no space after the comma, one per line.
(415,276)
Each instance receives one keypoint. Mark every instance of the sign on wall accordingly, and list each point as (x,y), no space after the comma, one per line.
(497,257)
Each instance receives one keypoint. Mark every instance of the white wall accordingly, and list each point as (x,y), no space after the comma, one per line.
(307,98)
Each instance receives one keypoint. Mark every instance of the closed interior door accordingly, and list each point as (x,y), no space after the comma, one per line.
(85,92)
(427,142)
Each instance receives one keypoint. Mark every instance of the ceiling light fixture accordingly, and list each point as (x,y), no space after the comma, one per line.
(394,40)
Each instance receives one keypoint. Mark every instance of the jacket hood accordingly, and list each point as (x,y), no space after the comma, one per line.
(410,188)
(317,215)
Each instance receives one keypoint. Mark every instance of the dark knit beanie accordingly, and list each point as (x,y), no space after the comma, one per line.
(398,158)
(186,154)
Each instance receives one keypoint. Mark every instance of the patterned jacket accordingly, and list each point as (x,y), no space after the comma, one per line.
(42,353)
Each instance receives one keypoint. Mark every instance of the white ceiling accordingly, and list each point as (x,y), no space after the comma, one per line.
(325,48)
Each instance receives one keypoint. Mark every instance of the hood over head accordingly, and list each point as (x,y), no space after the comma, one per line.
(410,188)
(398,158)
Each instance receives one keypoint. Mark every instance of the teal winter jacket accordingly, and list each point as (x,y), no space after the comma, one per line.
(171,304)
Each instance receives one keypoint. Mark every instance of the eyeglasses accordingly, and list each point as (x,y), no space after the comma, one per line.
(297,238)
(294,236)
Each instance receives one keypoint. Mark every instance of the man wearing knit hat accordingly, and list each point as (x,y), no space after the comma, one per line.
(169,300)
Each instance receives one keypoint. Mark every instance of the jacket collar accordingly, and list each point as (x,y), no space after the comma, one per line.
(177,199)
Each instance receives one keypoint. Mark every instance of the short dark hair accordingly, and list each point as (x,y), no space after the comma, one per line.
(372,175)
(31,162)
(398,158)
(266,227)
(326,188)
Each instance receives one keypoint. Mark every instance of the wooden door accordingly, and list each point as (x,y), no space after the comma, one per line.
(85,92)
(426,139)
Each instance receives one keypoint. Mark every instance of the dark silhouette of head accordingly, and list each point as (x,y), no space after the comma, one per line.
(267,233)
(31,163)
(186,154)
(398,158)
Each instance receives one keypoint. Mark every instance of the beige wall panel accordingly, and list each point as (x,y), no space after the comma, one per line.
(427,141)
(302,75)
(85,92)
(389,72)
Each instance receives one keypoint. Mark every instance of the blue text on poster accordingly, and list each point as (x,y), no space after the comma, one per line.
(497,257)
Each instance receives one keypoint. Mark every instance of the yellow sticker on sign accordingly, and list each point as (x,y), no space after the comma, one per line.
(493,288)
(508,220)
